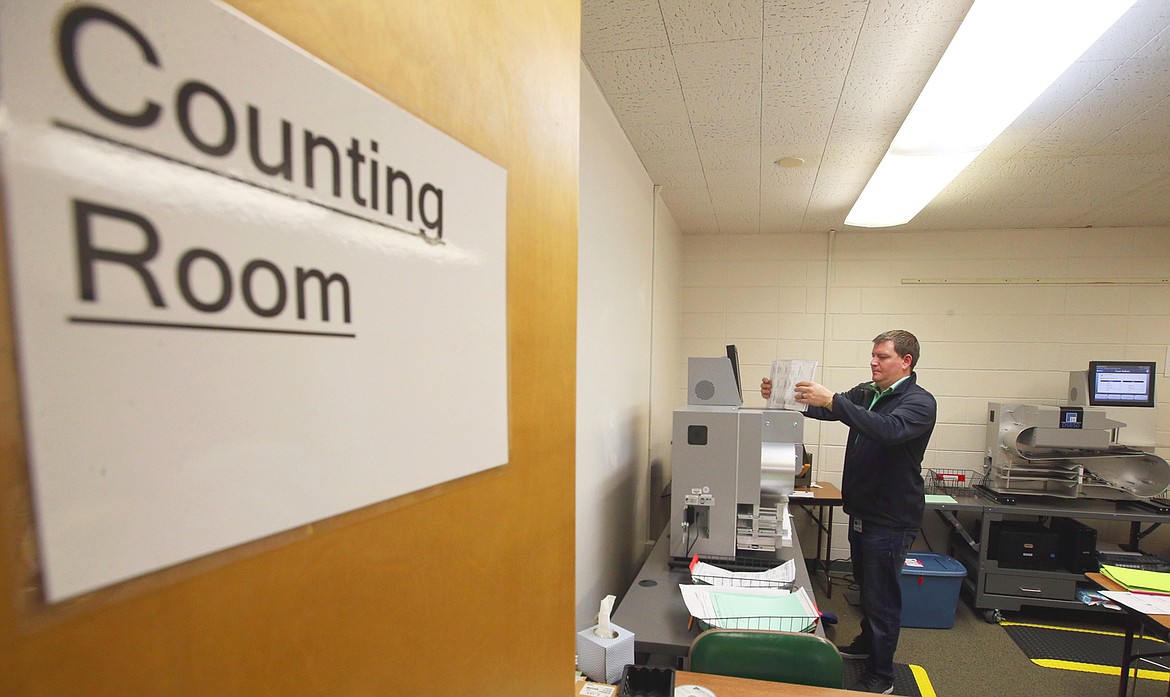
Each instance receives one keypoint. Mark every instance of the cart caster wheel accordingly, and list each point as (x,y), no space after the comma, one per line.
(992,616)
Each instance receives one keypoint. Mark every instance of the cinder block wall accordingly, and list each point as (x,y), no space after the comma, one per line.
(1001,315)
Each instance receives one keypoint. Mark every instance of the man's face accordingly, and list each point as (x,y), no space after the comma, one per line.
(886,366)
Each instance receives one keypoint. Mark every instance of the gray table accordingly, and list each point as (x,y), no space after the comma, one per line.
(997,587)
(653,607)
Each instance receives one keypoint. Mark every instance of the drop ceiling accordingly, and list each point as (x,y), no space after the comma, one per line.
(713,93)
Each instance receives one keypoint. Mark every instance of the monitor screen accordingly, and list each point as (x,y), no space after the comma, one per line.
(733,356)
(1121,383)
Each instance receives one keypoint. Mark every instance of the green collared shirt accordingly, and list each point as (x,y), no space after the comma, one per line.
(878,393)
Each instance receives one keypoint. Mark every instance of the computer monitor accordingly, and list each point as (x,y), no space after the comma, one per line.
(733,356)
(1121,383)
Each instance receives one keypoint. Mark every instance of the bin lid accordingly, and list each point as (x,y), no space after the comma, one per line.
(932,564)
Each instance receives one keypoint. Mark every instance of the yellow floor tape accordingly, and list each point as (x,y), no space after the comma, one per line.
(1144,674)
(1006,623)
(923,682)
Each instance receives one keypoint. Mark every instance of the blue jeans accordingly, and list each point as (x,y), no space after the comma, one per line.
(877,553)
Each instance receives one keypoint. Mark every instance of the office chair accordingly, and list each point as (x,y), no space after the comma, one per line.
(792,657)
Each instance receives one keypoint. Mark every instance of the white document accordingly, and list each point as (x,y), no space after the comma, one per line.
(702,572)
(785,374)
(1148,603)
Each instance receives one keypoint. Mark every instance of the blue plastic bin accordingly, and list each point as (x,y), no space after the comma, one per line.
(930,590)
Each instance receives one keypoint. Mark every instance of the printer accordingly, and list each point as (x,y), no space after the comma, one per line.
(733,469)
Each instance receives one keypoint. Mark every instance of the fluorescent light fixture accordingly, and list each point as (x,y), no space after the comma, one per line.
(1004,55)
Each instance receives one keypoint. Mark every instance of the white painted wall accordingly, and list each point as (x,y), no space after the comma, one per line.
(980,343)
(628,322)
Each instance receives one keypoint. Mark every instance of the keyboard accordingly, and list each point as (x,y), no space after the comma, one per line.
(1142,562)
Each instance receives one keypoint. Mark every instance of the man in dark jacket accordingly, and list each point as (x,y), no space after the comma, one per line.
(890,421)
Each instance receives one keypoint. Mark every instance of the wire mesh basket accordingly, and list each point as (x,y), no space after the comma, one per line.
(756,602)
(804,625)
(740,582)
(950,481)
(741,573)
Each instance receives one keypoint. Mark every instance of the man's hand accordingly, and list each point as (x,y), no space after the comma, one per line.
(814,394)
(766,388)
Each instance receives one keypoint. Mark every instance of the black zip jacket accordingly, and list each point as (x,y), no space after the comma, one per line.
(882,478)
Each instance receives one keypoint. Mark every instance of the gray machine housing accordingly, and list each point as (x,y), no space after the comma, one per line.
(1067,452)
(733,468)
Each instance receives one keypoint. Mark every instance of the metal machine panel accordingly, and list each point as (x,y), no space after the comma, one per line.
(712,382)
(733,470)
(1067,452)
(703,458)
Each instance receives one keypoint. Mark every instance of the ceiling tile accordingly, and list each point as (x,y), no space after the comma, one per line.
(717,158)
(811,16)
(621,24)
(635,70)
(662,137)
(702,21)
(720,62)
(1144,23)
(902,49)
(777,178)
(821,55)
(661,162)
(874,105)
(715,103)
(1145,134)
(646,108)
(900,13)
(803,95)
(740,178)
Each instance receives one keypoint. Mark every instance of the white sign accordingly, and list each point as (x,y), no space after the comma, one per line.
(250,293)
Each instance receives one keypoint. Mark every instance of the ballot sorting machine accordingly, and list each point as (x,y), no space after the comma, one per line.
(1067,452)
(733,468)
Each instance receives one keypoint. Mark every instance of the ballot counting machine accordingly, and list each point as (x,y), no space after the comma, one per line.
(1067,452)
(733,468)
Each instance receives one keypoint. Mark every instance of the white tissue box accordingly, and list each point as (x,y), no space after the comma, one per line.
(602,660)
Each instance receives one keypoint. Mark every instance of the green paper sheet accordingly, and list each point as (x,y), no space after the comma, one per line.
(1139,579)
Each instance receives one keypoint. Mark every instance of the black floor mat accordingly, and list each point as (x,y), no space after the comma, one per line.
(1084,650)
(909,681)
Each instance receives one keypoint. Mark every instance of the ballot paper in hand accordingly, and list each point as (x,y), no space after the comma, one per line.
(785,374)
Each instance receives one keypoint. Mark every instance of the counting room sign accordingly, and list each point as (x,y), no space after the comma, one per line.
(243,285)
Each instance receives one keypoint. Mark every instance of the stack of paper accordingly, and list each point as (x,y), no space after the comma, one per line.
(751,608)
(1138,580)
(785,527)
(777,577)
(1142,602)
(785,375)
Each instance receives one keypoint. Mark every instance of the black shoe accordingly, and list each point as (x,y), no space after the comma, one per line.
(854,651)
(873,684)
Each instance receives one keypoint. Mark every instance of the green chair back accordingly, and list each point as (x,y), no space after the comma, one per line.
(804,659)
